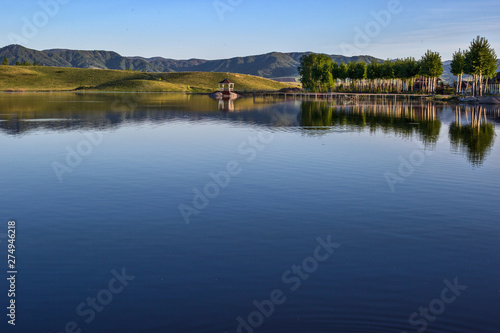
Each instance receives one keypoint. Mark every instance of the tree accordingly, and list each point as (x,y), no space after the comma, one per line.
(25,63)
(387,74)
(316,72)
(18,63)
(374,73)
(335,73)
(305,71)
(5,62)
(343,72)
(431,68)
(360,73)
(411,70)
(458,68)
(322,72)
(480,60)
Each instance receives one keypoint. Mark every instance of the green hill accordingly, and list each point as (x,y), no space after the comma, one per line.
(271,65)
(37,78)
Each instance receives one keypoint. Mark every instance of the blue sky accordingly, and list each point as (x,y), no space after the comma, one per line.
(214,29)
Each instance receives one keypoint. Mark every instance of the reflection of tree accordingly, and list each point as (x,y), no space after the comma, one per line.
(402,119)
(475,138)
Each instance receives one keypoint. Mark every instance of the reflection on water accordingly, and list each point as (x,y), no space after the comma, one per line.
(402,119)
(471,134)
(323,174)
(226,105)
(60,111)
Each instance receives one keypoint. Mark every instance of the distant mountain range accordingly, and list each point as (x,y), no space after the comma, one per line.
(270,65)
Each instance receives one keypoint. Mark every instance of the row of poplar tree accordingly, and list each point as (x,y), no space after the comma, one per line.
(479,63)
(319,73)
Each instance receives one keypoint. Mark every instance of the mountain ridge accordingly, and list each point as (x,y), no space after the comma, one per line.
(269,65)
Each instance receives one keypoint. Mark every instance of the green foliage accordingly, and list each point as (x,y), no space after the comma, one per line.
(316,72)
(343,72)
(305,72)
(399,69)
(387,70)
(431,65)
(335,71)
(18,63)
(412,67)
(357,70)
(5,62)
(481,58)
(374,71)
(458,63)
(360,71)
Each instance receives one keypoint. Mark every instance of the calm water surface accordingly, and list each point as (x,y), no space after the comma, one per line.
(208,213)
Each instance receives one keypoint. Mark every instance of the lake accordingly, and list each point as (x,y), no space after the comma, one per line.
(177,213)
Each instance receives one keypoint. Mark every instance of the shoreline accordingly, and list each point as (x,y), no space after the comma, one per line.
(452,99)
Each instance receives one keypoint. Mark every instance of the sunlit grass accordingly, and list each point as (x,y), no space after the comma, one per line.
(19,78)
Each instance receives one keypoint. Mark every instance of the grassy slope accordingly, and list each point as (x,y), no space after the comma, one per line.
(19,78)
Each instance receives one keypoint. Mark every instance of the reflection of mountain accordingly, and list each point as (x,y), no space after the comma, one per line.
(21,113)
(402,119)
(475,137)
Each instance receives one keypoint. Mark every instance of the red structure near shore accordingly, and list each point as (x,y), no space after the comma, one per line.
(226,91)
